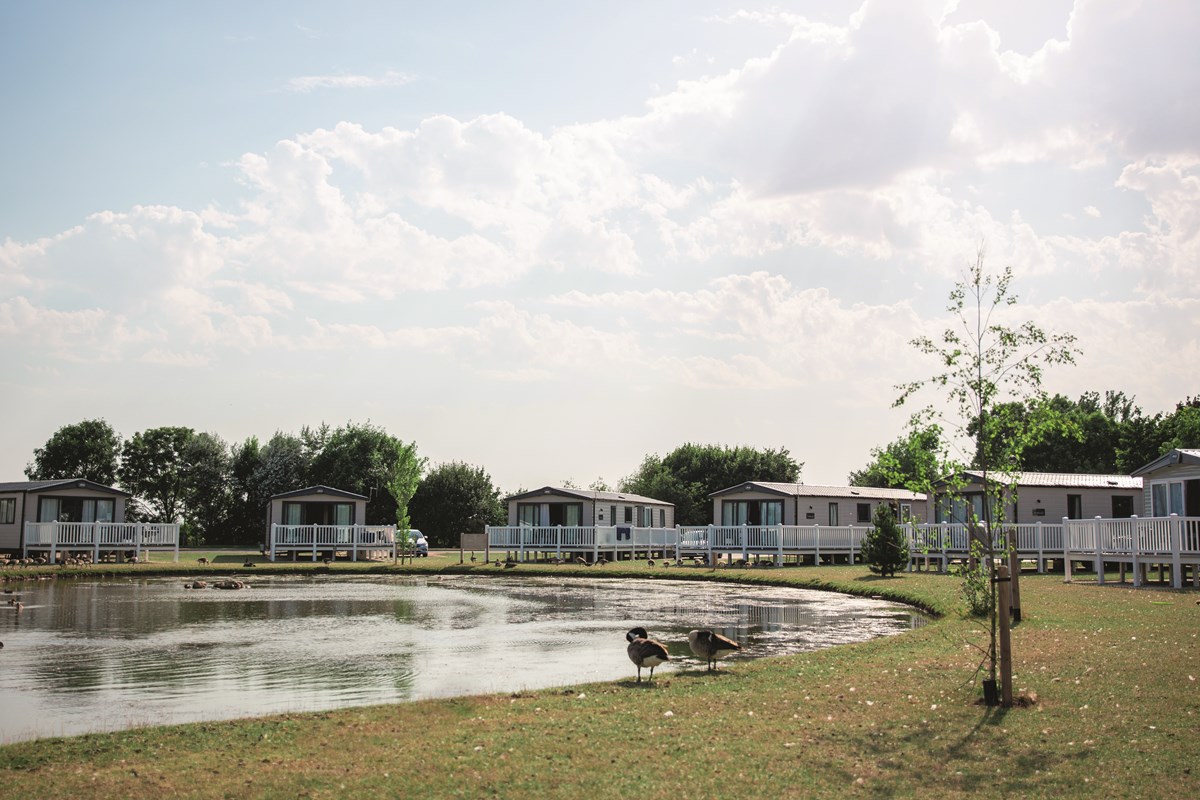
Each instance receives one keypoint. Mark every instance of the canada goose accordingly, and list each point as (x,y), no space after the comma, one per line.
(644,651)
(202,560)
(247,563)
(649,562)
(710,646)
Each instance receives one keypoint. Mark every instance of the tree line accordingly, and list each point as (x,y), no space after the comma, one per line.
(219,492)
(1105,434)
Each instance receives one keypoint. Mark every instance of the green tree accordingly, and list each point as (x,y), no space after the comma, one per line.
(984,363)
(402,485)
(910,462)
(689,474)
(455,498)
(359,458)
(1182,428)
(153,469)
(89,449)
(208,489)
(885,546)
(247,506)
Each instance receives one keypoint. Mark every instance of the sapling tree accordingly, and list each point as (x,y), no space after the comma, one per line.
(402,485)
(983,363)
(885,547)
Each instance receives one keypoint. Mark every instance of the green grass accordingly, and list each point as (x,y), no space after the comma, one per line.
(1114,670)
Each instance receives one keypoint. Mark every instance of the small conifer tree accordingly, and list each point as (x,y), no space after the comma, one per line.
(885,548)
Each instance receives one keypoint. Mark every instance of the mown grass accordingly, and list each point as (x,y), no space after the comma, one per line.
(1114,671)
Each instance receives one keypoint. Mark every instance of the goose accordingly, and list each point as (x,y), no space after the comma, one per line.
(644,651)
(710,646)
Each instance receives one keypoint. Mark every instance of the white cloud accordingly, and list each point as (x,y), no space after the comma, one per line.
(309,83)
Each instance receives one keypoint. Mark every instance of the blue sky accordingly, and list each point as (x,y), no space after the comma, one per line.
(551,238)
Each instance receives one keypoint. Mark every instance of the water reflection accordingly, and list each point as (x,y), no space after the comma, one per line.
(102,655)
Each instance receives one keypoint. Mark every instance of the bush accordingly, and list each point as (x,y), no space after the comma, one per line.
(885,548)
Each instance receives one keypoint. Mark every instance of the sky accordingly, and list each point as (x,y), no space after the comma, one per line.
(552,238)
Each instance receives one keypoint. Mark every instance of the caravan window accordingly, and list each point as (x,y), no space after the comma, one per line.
(529,514)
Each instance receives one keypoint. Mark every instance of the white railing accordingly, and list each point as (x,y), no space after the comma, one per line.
(97,536)
(1137,541)
(943,541)
(316,538)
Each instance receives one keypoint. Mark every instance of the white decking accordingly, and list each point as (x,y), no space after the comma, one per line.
(1173,541)
(367,541)
(1135,543)
(100,538)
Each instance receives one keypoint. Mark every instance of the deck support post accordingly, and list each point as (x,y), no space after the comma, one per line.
(1099,551)
(1176,542)
(1040,533)
(1066,551)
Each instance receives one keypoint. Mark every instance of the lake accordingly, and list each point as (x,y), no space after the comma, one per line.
(99,655)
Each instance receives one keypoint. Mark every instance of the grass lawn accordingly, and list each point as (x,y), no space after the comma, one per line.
(1114,671)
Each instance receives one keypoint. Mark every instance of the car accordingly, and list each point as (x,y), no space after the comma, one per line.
(418,541)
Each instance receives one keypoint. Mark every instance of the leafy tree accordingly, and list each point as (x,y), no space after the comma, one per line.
(359,458)
(983,364)
(153,469)
(910,462)
(689,474)
(1181,429)
(402,484)
(88,449)
(455,498)
(247,506)
(208,495)
(885,546)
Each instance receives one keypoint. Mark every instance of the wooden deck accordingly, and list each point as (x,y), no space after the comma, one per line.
(100,538)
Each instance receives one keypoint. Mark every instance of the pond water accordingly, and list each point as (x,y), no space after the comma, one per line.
(93,655)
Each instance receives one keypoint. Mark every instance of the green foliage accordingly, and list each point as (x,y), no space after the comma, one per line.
(89,449)
(455,498)
(977,583)
(885,547)
(688,474)
(247,507)
(402,484)
(1181,429)
(208,490)
(986,370)
(359,458)
(911,462)
(153,470)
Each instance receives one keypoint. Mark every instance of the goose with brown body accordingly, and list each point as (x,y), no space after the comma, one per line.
(710,646)
(644,651)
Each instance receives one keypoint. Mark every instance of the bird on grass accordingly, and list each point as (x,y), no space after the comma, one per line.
(510,565)
(710,646)
(644,651)
(247,563)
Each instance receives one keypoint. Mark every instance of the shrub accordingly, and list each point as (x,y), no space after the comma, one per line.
(885,548)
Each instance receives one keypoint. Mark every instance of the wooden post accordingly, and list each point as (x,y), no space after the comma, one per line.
(1005,599)
(1014,561)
